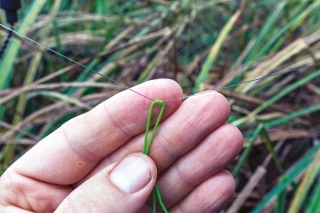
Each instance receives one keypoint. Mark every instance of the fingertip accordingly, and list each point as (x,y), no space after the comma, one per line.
(214,104)
(227,182)
(225,185)
(165,89)
(223,101)
(237,142)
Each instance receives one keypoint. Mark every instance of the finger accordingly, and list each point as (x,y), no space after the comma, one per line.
(194,120)
(212,155)
(29,195)
(123,187)
(187,127)
(211,196)
(72,151)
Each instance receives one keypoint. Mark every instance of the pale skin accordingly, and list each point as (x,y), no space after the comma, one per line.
(74,168)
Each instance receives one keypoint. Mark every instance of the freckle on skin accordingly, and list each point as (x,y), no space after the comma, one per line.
(80,164)
(103,150)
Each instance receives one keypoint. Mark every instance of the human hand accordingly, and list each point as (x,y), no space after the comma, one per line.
(93,163)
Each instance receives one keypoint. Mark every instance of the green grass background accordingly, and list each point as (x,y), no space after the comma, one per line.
(200,44)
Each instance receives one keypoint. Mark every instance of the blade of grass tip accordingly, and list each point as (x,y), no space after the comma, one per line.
(247,151)
(314,204)
(289,176)
(270,148)
(6,65)
(307,181)
(281,94)
(214,51)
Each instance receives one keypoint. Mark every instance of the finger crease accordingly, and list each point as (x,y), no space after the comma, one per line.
(187,182)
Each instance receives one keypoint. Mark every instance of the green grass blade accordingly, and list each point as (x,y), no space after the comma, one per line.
(268,26)
(214,51)
(271,150)
(247,151)
(293,115)
(10,54)
(314,204)
(291,25)
(291,175)
(281,201)
(61,97)
(272,100)
(7,62)
(308,180)
(35,64)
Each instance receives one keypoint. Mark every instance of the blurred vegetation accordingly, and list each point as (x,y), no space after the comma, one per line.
(200,44)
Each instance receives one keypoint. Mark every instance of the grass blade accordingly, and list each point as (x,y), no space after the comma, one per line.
(7,62)
(272,100)
(291,175)
(247,150)
(309,177)
(269,146)
(214,51)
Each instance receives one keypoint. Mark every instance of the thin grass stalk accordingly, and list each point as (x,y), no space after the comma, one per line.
(35,64)
(296,170)
(268,66)
(247,190)
(292,25)
(268,27)
(14,46)
(6,66)
(215,51)
(61,97)
(310,175)
(272,100)
(281,200)
(247,151)
(314,204)
(271,150)
(156,61)
(292,116)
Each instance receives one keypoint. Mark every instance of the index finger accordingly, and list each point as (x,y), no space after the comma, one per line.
(69,153)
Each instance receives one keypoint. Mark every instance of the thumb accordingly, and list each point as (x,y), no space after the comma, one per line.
(122,187)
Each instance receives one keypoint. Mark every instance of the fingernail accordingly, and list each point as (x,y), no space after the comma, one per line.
(131,174)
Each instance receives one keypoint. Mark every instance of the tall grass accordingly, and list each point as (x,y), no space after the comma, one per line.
(200,44)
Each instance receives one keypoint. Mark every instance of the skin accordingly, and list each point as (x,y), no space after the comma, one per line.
(69,170)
